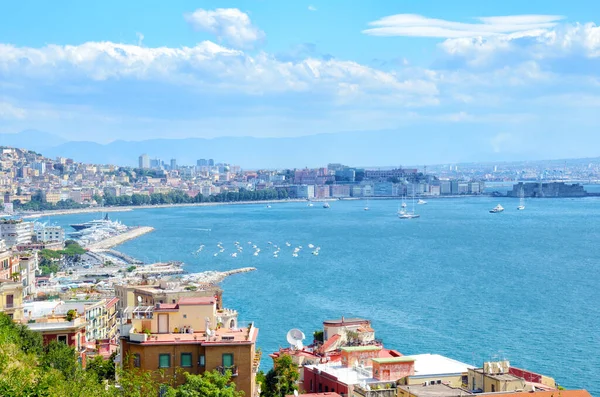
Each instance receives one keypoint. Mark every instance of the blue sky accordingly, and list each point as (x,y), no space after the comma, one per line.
(135,70)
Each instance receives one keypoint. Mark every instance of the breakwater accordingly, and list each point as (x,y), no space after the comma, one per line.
(121,238)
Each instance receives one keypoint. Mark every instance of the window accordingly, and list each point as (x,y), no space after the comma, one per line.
(164,361)
(493,388)
(10,301)
(137,360)
(186,360)
(185,316)
(228,360)
(201,361)
(326,389)
(62,339)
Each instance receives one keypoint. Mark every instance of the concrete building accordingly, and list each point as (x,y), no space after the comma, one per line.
(144,161)
(173,164)
(11,299)
(304,191)
(190,335)
(436,369)
(29,265)
(445,187)
(15,232)
(339,191)
(50,233)
(501,377)
(101,320)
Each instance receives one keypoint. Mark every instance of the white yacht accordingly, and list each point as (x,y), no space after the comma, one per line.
(367,206)
(421,202)
(326,205)
(497,209)
(521,206)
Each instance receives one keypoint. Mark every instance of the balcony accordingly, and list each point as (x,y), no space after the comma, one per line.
(234,370)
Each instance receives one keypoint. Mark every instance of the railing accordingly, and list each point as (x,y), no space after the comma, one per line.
(377,390)
(234,370)
(9,306)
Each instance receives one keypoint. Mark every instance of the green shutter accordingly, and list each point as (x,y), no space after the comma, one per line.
(186,359)
(227,360)
(164,361)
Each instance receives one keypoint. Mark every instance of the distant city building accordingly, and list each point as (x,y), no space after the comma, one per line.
(144,162)
(155,164)
(552,189)
(173,165)
(202,163)
(211,162)
(50,233)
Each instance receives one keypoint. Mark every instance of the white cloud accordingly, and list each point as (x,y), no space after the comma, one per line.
(563,41)
(420,26)
(11,112)
(312,8)
(209,66)
(228,24)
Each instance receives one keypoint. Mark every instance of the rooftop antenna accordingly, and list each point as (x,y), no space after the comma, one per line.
(295,338)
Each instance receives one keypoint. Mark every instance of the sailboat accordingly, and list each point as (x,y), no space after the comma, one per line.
(367,206)
(521,206)
(409,215)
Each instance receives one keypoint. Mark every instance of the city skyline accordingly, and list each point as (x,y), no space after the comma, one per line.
(522,76)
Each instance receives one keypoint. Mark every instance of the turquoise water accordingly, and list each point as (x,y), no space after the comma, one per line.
(459,281)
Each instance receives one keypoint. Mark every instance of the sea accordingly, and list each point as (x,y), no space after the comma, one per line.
(458,281)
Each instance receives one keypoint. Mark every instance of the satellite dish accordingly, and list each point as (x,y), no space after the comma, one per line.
(219,320)
(139,299)
(295,338)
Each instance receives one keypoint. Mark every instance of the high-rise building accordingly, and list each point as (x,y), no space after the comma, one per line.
(144,161)
(211,162)
(202,163)
(173,164)
(155,164)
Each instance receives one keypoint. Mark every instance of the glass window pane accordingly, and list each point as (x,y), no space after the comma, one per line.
(227,360)
(201,362)
(186,359)
(164,361)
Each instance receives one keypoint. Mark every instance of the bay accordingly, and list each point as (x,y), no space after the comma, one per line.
(459,281)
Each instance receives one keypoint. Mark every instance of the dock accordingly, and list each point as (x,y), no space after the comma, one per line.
(121,238)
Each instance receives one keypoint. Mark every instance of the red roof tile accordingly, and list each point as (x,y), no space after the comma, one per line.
(330,342)
(554,393)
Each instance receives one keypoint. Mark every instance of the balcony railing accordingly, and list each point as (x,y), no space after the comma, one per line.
(9,306)
(234,370)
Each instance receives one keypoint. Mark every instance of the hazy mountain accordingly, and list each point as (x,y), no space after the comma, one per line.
(38,141)
(380,147)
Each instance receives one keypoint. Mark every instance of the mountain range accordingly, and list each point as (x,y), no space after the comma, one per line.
(372,148)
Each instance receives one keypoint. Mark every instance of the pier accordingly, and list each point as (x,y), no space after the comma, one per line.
(121,238)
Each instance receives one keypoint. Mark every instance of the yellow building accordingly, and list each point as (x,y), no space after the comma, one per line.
(11,299)
(501,377)
(192,336)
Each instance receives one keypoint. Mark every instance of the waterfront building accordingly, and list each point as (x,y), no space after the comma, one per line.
(144,162)
(552,189)
(321,191)
(11,298)
(339,191)
(304,191)
(383,189)
(193,335)
(15,232)
(500,376)
(383,175)
(445,187)
(50,233)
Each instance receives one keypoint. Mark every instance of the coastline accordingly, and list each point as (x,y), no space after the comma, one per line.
(40,214)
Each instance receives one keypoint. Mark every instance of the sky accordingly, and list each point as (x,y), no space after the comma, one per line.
(102,71)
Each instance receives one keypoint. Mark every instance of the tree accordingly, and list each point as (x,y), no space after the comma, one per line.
(209,384)
(104,369)
(59,356)
(282,379)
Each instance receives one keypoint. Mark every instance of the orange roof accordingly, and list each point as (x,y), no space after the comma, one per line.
(112,302)
(198,300)
(328,394)
(387,353)
(554,393)
(330,342)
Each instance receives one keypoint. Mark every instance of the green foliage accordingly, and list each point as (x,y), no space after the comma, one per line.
(209,384)
(131,268)
(103,369)
(318,336)
(61,357)
(71,314)
(282,379)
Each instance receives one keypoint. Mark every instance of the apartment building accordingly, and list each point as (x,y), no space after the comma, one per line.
(15,232)
(11,299)
(194,335)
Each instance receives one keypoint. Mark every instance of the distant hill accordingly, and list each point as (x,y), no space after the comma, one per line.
(390,148)
(38,141)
